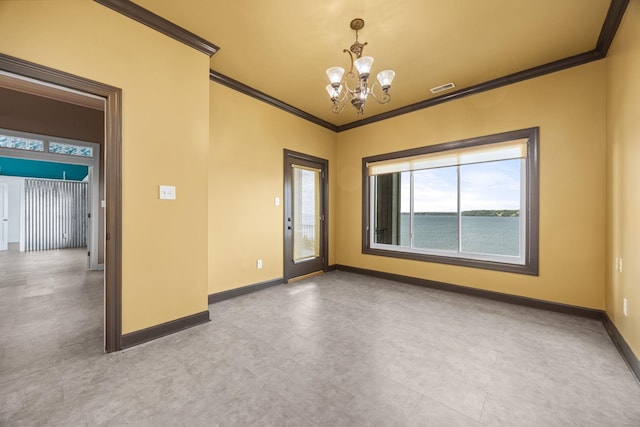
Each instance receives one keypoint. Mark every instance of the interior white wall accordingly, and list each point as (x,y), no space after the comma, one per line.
(15,192)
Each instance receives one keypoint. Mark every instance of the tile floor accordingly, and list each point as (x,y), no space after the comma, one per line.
(338,349)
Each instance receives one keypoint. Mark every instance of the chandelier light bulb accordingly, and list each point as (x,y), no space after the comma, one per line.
(333,92)
(335,75)
(385,78)
(363,65)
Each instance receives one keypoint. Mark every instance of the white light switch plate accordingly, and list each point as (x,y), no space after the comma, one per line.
(167,192)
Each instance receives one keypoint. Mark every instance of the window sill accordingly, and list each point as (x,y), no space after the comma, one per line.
(526,268)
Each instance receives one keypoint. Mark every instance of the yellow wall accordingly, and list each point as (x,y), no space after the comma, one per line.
(165,141)
(224,152)
(568,107)
(246,155)
(623,161)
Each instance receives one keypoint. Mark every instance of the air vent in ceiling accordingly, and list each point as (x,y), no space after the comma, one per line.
(443,87)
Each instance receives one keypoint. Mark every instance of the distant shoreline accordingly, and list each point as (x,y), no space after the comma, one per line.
(478,212)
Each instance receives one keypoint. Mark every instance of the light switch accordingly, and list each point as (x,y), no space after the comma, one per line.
(167,192)
(277,201)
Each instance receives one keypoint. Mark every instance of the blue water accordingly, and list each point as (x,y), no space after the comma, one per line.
(480,234)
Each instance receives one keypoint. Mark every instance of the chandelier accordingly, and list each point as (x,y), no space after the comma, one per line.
(339,89)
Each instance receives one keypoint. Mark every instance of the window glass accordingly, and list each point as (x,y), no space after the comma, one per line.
(490,196)
(472,203)
(7,141)
(435,200)
(71,150)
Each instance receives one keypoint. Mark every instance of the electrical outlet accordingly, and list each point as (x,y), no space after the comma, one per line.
(259,264)
(619,264)
(625,307)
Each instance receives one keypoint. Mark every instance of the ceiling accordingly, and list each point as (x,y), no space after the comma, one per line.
(283,47)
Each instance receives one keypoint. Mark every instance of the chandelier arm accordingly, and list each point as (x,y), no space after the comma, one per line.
(343,98)
(347,88)
(338,107)
(339,104)
(384,97)
(350,73)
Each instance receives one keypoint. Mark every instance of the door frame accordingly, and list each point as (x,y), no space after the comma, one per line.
(4,224)
(112,173)
(324,230)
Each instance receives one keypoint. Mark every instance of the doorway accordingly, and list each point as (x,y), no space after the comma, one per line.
(58,85)
(305,214)
(56,213)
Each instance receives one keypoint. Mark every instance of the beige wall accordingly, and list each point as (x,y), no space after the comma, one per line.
(245,175)
(623,161)
(568,107)
(165,140)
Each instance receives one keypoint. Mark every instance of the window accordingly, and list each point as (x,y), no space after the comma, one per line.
(472,203)
(70,150)
(19,141)
(8,141)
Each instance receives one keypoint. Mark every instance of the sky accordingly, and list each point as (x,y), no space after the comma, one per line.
(492,185)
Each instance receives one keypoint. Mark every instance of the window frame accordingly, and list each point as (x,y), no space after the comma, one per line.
(46,154)
(530,265)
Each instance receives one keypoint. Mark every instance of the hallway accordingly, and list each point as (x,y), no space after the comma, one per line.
(51,309)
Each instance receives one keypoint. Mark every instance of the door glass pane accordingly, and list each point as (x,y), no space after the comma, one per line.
(306,213)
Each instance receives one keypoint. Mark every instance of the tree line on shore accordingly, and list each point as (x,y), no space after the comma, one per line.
(477,212)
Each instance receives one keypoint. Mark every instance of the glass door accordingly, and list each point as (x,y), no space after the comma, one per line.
(306,212)
(305,231)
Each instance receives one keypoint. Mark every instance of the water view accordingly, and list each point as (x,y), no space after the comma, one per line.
(498,235)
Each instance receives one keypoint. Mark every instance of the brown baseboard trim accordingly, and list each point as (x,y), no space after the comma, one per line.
(482,293)
(332,267)
(621,345)
(151,333)
(232,293)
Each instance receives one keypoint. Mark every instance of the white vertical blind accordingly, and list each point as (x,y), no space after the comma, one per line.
(55,214)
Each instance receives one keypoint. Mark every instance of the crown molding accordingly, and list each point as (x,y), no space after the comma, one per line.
(610,26)
(217,77)
(530,73)
(158,23)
